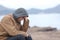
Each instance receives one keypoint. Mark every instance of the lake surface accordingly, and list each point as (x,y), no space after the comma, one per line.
(44,20)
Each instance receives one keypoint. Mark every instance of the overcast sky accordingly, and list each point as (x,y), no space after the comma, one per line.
(40,4)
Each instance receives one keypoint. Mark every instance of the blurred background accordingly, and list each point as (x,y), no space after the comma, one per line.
(42,13)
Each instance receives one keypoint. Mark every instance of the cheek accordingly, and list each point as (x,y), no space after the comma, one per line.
(20,19)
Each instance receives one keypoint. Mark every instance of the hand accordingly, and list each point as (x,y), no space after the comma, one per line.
(26,35)
(26,18)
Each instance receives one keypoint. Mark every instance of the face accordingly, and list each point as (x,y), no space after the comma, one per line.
(20,18)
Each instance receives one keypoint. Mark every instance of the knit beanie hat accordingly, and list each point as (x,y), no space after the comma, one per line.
(21,12)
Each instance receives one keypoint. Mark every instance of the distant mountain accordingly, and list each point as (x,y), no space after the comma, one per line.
(34,11)
(53,10)
(4,10)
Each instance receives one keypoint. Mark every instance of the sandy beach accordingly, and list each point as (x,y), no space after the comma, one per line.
(44,35)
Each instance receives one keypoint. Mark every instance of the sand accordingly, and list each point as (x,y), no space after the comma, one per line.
(44,35)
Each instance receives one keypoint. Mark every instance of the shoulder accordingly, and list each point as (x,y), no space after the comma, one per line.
(6,17)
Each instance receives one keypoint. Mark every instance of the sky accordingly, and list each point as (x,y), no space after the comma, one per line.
(40,4)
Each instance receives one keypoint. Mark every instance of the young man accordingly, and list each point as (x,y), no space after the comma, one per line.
(11,28)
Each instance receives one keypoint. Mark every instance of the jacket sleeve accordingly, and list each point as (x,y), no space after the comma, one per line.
(25,25)
(9,27)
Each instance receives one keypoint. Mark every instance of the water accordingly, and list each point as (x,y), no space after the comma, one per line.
(44,20)
(1,17)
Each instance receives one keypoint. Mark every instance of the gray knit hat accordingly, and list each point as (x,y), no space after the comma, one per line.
(21,12)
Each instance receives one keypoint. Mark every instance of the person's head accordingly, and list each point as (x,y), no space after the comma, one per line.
(20,14)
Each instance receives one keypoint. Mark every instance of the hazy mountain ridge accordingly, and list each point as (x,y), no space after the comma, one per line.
(5,10)
(53,10)
(34,11)
(49,10)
